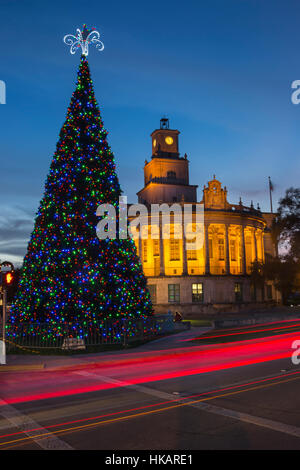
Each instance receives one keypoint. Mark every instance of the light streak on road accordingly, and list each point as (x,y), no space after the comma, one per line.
(209,336)
(233,391)
(232,387)
(186,362)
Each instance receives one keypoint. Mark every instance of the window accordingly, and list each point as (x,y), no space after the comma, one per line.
(210,247)
(155,247)
(152,290)
(171,174)
(269,292)
(174,250)
(238,291)
(197,292)
(174,292)
(191,254)
(221,248)
(232,250)
(145,251)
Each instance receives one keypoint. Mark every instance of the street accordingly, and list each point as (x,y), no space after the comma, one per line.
(168,394)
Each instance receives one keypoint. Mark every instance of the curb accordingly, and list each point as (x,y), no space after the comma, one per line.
(21,368)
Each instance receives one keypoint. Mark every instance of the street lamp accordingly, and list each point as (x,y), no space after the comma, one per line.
(7,277)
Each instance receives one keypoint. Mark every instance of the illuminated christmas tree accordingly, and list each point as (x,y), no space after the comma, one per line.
(69,275)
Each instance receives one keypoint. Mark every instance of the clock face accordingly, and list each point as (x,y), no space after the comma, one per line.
(169,140)
(154,143)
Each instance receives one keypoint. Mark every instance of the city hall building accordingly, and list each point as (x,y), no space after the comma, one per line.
(216,277)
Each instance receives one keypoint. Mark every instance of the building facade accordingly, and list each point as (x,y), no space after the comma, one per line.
(215,277)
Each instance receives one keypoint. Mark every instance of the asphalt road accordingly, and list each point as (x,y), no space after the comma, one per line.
(168,395)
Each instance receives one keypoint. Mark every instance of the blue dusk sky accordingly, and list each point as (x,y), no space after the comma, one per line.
(221,70)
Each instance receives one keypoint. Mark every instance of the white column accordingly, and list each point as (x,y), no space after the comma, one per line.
(227,267)
(161,249)
(207,268)
(255,244)
(244,267)
(184,254)
(140,247)
(262,247)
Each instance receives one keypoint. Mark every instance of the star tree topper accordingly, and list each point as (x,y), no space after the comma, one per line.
(83,39)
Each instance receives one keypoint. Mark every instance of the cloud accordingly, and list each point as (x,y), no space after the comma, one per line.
(16,224)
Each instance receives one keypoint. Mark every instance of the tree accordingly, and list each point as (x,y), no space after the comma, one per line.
(281,270)
(285,267)
(69,275)
(286,226)
(258,275)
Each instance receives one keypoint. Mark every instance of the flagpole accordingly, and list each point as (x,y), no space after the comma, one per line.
(270,190)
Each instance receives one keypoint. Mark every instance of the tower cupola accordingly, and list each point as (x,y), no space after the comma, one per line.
(165,141)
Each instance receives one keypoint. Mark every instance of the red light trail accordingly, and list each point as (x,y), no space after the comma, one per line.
(184,363)
(233,387)
(242,332)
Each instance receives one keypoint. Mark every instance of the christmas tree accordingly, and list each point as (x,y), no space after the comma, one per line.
(69,275)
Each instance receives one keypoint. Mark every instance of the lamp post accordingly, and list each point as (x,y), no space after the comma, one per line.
(7,277)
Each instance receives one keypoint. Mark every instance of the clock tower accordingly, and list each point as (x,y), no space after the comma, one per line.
(166,175)
(165,141)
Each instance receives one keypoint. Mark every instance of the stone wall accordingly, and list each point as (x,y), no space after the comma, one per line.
(218,295)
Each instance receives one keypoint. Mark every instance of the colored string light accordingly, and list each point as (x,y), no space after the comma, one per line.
(69,275)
